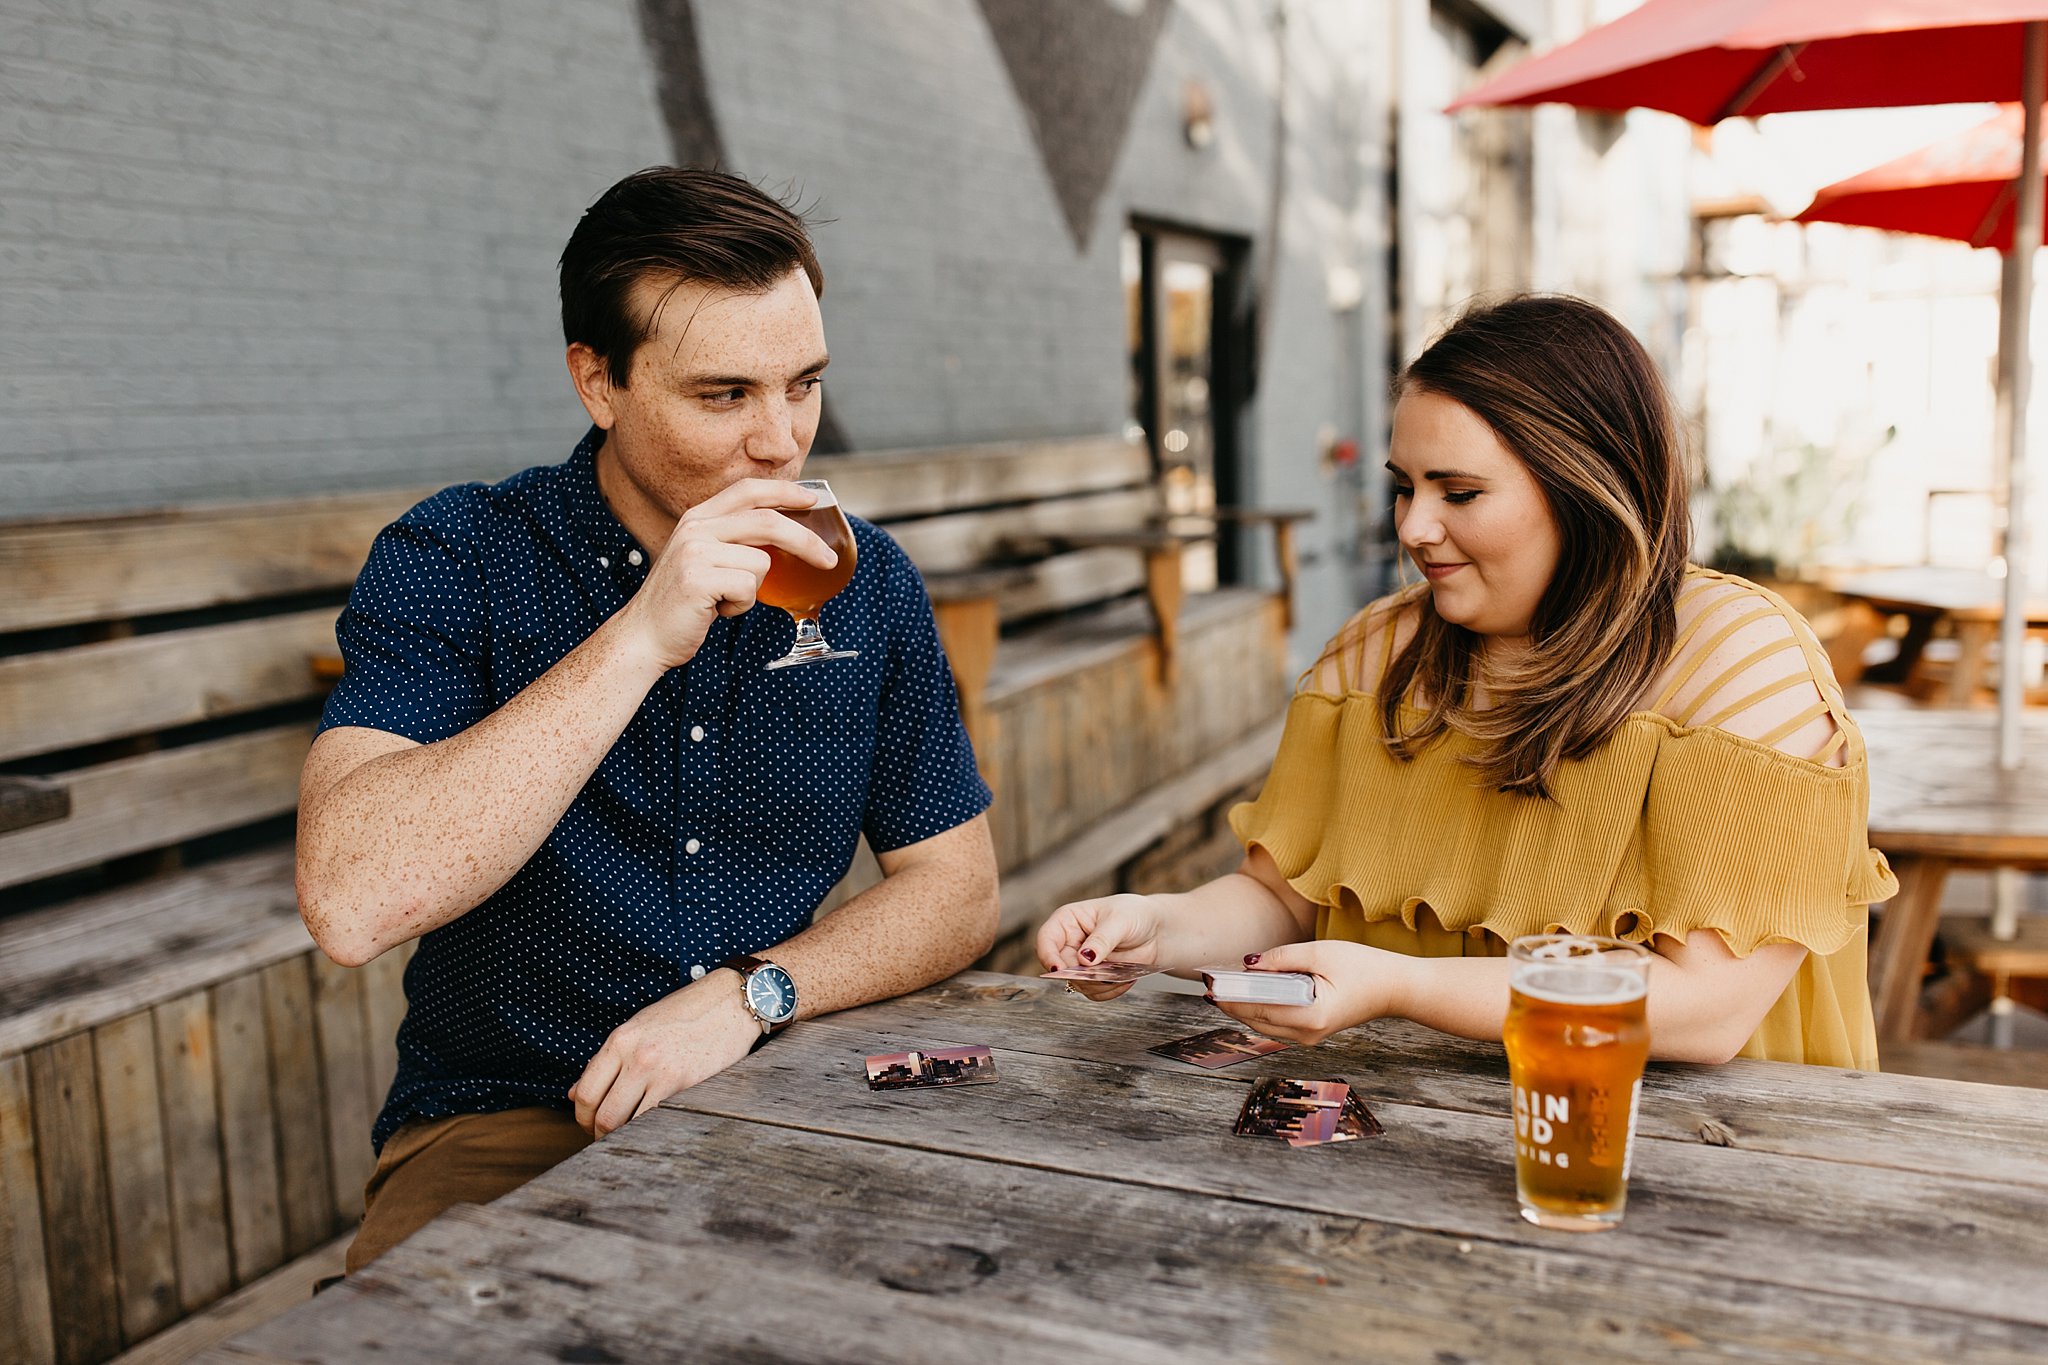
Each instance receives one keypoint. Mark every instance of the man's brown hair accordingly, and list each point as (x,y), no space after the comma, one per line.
(672,225)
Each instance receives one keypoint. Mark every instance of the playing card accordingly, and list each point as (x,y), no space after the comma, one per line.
(1289,1109)
(1348,1123)
(1109,973)
(931,1067)
(1219,1047)
(1259,988)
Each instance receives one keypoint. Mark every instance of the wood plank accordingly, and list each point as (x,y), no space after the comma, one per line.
(25,1331)
(62,571)
(278,1292)
(962,541)
(1065,582)
(85,1304)
(80,964)
(885,485)
(62,698)
(26,801)
(1034,892)
(132,804)
(305,1176)
(138,1179)
(248,1127)
(345,1081)
(199,1209)
(1073,1269)
(1809,1222)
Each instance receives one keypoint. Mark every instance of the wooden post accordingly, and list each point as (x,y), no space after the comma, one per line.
(968,629)
(1163,589)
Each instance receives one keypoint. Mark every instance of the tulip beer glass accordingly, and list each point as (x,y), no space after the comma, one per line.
(1577,1037)
(803,589)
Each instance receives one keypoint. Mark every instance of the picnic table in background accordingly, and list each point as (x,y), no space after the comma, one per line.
(1094,1205)
(1938,802)
(1969,603)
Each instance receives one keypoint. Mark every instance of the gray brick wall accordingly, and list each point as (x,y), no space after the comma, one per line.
(267,247)
(275,246)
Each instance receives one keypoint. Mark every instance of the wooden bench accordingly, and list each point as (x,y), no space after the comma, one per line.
(187,1086)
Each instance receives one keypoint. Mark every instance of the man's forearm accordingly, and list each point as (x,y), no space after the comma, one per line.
(920,924)
(412,839)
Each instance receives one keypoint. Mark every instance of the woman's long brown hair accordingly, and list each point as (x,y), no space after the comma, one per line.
(1574,395)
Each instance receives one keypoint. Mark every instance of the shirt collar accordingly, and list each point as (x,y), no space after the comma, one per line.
(604,535)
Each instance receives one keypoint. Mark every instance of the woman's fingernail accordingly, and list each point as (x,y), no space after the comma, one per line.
(1087,954)
(1250,958)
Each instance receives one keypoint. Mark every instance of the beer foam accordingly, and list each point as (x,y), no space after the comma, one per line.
(826,497)
(1585,985)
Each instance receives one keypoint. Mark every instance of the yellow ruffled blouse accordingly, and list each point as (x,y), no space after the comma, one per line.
(1736,803)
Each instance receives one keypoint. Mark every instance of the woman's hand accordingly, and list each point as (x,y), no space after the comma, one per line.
(1354,984)
(1121,928)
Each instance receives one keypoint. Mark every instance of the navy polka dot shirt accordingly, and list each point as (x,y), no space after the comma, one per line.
(728,808)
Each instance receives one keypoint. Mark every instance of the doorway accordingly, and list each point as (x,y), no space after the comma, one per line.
(1189,377)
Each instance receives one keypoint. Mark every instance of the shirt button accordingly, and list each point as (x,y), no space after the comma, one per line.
(696,734)
(696,971)
(633,558)
(691,846)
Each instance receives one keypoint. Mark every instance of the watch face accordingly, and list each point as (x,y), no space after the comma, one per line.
(772,994)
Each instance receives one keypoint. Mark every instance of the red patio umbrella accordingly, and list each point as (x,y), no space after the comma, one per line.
(1962,188)
(1707,60)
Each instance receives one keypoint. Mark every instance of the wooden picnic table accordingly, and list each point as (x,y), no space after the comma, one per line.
(1093,1205)
(1968,603)
(1939,801)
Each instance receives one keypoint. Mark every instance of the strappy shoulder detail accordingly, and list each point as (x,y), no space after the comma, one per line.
(1358,656)
(1747,664)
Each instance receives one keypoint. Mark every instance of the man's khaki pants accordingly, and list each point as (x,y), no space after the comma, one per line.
(430,1164)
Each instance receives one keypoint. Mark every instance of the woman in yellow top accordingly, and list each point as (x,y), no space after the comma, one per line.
(1566,727)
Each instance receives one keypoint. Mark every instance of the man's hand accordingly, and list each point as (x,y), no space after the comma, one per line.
(714,562)
(671,1045)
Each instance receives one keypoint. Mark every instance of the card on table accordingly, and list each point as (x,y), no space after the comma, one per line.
(928,1067)
(1259,988)
(1220,1047)
(1106,973)
(1306,1113)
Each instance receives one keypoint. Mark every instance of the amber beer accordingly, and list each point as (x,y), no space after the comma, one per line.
(802,589)
(799,587)
(1577,1036)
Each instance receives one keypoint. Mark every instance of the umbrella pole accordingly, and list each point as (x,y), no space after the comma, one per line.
(2015,314)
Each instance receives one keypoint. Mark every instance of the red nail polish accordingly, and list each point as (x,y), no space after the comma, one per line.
(1250,958)
(1087,954)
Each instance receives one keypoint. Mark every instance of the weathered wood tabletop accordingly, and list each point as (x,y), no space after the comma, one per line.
(1939,801)
(1093,1205)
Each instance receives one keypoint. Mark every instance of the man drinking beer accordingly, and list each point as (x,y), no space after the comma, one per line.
(557,757)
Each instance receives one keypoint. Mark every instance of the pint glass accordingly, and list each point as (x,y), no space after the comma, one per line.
(1577,1038)
(802,589)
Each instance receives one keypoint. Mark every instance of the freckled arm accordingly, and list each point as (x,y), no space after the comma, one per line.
(397,838)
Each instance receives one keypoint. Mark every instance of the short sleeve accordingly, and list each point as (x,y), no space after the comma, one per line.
(924,781)
(414,641)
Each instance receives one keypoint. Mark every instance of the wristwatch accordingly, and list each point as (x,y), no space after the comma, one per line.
(767,991)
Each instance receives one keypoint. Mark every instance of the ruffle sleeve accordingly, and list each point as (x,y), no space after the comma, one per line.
(1667,829)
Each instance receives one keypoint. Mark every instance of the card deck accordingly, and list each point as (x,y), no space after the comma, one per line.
(1108,973)
(1259,988)
(931,1067)
(1220,1047)
(1306,1113)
